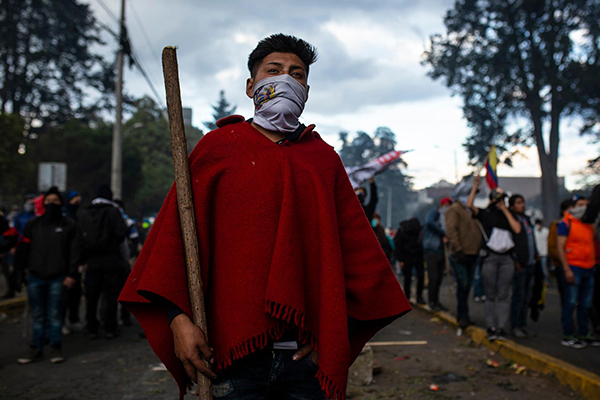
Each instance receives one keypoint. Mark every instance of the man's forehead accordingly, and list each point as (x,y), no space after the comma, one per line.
(287,59)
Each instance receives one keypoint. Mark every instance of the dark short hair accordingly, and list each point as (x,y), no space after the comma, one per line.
(513,199)
(539,221)
(564,205)
(280,43)
(54,190)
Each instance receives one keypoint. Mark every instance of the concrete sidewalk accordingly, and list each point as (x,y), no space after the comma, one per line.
(581,380)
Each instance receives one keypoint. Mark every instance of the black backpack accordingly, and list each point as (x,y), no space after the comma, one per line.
(95,229)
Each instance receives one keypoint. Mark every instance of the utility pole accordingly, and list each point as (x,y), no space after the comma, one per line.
(116,176)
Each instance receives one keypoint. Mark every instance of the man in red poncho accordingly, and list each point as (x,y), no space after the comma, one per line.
(295,282)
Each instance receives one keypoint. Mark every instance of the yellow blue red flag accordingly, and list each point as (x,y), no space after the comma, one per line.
(490,167)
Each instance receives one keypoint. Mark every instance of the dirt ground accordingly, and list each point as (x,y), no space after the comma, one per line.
(127,369)
(458,368)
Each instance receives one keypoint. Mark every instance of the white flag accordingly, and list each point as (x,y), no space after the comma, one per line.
(364,172)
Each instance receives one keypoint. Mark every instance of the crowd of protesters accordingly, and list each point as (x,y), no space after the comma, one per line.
(60,253)
(507,258)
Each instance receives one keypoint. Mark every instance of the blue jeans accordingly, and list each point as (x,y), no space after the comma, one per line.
(521,296)
(46,301)
(463,273)
(478,289)
(578,294)
(269,375)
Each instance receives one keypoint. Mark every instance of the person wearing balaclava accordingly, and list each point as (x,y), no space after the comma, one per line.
(73,204)
(295,279)
(49,253)
(576,251)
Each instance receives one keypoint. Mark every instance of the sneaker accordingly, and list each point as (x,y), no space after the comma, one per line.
(477,299)
(573,342)
(33,356)
(501,335)
(421,300)
(483,298)
(77,326)
(56,355)
(66,331)
(519,333)
(491,334)
(591,340)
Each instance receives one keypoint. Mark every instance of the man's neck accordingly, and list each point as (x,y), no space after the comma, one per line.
(274,136)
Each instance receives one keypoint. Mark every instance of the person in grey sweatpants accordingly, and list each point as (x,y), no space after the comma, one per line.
(497,272)
(498,266)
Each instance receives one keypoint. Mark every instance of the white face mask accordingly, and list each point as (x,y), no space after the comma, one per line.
(278,103)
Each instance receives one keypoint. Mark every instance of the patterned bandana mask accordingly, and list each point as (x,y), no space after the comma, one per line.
(278,103)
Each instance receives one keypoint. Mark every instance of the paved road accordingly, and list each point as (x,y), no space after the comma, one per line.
(126,368)
(548,330)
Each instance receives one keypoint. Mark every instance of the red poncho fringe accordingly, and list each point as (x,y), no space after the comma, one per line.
(284,243)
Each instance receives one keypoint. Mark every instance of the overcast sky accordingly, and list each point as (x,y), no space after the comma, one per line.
(368,74)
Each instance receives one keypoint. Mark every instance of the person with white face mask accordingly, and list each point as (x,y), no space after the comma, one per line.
(297,279)
(24,216)
(576,250)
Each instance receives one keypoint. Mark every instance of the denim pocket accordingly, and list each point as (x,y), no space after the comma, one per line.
(310,361)
(222,389)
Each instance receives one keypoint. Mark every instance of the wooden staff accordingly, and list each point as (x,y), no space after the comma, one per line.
(185,202)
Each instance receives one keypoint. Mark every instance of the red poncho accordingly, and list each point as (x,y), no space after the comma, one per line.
(283,242)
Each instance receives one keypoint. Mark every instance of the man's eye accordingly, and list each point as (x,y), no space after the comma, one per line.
(272,70)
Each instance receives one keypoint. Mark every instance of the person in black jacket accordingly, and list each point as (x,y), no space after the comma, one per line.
(103,233)
(409,253)
(49,252)
(361,193)
(526,256)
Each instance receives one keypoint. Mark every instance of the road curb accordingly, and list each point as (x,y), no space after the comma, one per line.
(12,306)
(578,379)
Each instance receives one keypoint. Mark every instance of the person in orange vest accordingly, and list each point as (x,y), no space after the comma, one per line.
(575,244)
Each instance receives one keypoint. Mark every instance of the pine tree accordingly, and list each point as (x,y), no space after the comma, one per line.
(221,110)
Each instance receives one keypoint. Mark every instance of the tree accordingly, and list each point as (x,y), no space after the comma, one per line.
(364,148)
(221,110)
(13,167)
(154,142)
(47,67)
(521,67)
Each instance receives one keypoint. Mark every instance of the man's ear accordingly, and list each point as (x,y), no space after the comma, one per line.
(250,87)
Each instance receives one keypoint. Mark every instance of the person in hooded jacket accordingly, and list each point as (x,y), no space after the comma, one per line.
(50,254)
(409,253)
(103,233)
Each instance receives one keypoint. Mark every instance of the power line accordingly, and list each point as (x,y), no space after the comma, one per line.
(141,26)
(145,75)
(108,11)
(74,7)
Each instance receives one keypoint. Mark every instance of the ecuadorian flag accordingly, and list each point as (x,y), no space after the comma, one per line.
(490,166)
